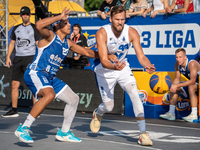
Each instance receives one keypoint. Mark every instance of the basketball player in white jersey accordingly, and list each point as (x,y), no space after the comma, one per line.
(40,75)
(116,38)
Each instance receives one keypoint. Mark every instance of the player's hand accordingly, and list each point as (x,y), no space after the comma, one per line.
(173,88)
(65,13)
(119,65)
(150,69)
(112,57)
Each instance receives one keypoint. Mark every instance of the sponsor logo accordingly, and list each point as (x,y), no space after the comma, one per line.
(143,96)
(22,42)
(3,86)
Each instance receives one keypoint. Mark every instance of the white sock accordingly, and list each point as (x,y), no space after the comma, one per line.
(29,120)
(141,125)
(194,110)
(172,109)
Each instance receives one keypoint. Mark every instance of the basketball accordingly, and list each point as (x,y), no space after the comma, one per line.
(160,82)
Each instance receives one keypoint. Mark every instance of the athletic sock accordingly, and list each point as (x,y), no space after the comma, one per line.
(141,125)
(194,110)
(172,109)
(29,120)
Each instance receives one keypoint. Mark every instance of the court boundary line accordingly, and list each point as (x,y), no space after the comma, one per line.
(105,141)
(85,118)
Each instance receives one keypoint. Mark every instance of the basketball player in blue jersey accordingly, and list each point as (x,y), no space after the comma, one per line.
(51,50)
(191,70)
(116,38)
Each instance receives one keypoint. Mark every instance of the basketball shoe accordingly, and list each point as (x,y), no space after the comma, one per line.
(23,133)
(10,113)
(67,136)
(144,139)
(190,118)
(96,122)
(168,115)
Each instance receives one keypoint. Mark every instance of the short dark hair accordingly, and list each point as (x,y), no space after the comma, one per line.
(117,9)
(180,50)
(79,26)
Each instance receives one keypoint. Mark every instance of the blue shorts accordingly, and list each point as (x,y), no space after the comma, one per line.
(37,80)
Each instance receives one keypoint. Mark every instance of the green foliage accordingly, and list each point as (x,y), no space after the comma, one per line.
(92,5)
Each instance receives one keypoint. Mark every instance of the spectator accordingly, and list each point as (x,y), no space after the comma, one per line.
(190,69)
(158,6)
(105,8)
(23,39)
(137,7)
(182,5)
(78,61)
(125,3)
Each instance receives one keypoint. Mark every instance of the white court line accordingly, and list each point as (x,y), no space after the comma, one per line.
(84,118)
(105,141)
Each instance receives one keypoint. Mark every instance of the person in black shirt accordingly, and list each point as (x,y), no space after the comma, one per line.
(23,39)
(105,8)
(78,61)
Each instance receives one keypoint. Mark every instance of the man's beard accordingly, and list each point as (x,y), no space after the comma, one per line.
(118,31)
(25,21)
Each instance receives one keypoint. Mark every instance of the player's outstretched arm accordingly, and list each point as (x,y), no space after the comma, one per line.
(81,50)
(42,24)
(143,60)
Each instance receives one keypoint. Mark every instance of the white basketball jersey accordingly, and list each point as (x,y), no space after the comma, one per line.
(117,46)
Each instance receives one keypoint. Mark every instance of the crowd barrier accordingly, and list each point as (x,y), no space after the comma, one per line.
(159,37)
(81,81)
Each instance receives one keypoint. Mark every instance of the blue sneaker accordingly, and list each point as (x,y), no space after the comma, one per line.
(23,134)
(67,136)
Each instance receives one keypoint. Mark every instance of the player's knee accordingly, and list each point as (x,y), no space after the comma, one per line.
(75,100)
(192,89)
(109,105)
(109,108)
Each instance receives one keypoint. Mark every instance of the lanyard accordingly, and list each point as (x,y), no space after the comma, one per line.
(75,40)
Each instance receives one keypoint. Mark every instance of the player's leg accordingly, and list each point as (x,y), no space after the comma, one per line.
(170,115)
(128,83)
(26,61)
(193,117)
(41,88)
(106,90)
(72,100)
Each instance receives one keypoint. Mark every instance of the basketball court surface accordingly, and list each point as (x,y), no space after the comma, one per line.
(117,133)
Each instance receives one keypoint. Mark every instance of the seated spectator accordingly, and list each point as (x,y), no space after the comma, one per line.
(158,6)
(105,8)
(182,5)
(137,7)
(125,3)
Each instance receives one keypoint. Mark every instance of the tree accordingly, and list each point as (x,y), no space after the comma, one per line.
(91,5)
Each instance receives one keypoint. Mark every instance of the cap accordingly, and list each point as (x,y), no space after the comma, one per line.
(25,9)
(57,22)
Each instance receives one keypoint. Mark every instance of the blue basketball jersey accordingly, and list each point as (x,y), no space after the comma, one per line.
(49,58)
(186,72)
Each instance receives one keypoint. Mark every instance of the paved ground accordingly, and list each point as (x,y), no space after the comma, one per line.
(116,133)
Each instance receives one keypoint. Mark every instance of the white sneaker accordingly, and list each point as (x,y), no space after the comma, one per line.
(168,116)
(190,118)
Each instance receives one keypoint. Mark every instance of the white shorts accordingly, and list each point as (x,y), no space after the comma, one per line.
(107,84)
